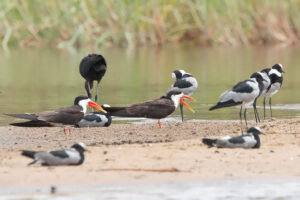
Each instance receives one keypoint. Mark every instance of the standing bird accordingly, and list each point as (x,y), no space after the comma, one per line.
(155,109)
(244,93)
(275,76)
(92,68)
(95,119)
(185,83)
(63,116)
(72,156)
(266,84)
(250,140)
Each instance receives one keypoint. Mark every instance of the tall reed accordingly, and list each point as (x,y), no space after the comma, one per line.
(132,23)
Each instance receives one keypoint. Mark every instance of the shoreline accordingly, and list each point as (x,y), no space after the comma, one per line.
(134,154)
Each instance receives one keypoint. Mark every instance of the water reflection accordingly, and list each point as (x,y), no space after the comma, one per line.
(37,80)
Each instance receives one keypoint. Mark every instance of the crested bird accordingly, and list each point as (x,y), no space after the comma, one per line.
(71,156)
(185,83)
(275,76)
(244,93)
(250,140)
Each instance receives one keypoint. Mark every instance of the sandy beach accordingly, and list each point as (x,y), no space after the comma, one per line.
(134,153)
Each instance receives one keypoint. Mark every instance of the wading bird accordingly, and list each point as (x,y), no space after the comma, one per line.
(61,117)
(155,109)
(72,156)
(244,93)
(250,140)
(275,76)
(92,68)
(185,83)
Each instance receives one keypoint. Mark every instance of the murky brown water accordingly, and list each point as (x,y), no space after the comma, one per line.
(37,80)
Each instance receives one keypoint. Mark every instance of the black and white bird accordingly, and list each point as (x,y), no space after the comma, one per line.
(95,119)
(275,77)
(244,93)
(250,140)
(72,156)
(266,83)
(185,83)
(92,68)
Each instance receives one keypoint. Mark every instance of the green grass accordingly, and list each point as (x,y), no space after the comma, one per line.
(132,23)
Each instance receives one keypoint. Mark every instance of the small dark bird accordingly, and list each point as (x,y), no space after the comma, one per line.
(95,119)
(155,109)
(185,83)
(244,93)
(250,140)
(92,68)
(275,76)
(63,116)
(72,156)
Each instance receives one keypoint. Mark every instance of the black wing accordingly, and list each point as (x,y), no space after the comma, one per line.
(242,87)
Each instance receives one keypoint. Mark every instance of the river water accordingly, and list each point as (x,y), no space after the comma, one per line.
(44,79)
(270,189)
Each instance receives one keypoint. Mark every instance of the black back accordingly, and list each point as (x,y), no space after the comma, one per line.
(93,67)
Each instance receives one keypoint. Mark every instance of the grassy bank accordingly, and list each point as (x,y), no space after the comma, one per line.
(130,23)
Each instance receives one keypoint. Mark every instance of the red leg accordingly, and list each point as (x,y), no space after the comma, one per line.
(70,131)
(159,124)
(65,131)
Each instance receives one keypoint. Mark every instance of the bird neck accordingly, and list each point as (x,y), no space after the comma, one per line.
(256,137)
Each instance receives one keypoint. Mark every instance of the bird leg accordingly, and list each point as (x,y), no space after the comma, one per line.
(241,120)
(65,132)
(181,111)
(245,117)
(88,88)
(264,108)
(159,123)
(96,96)
(270,107)
(256,112)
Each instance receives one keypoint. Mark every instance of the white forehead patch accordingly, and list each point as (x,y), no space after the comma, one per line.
(173,75)
(82,145)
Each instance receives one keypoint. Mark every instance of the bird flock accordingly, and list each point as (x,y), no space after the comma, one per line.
(266,82)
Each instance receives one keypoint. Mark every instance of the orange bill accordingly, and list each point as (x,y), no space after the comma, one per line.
(96,106)
(188,97)
(187,105)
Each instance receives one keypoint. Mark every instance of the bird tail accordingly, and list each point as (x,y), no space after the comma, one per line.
(32,124)
(116,111)
(27,116)
(209,142)
(225,104)
(29,154)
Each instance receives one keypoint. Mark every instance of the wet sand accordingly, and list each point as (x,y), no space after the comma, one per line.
(130,153)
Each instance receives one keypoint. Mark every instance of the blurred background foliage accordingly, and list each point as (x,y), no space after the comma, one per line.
(132,23)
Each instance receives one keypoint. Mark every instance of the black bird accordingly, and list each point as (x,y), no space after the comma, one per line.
(61,117)
(155,109)
(92,68)
(95,119)
(250,140)
(185,83)
(72,156)
(244,93)
(275,76)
